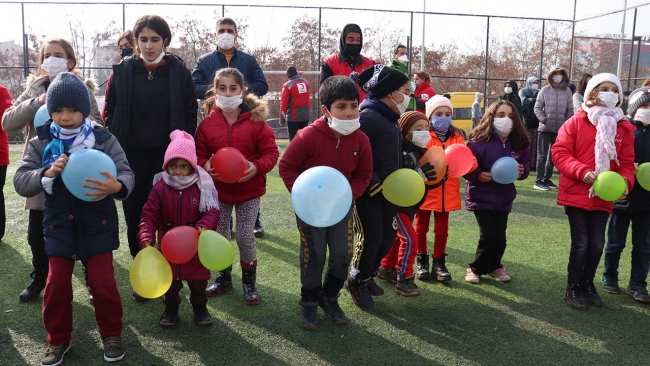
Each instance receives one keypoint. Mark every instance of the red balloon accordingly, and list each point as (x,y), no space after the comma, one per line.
(459,160)
(230,164)
(180,244)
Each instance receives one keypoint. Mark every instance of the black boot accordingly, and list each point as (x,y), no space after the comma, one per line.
(573,296)
(222,283)
(360,294)
(251,297)
(440,269)
(201,314)
(308,315)
(590,295)
(333,311)
(406,286)
(34,289)
(90,292)
(259,230)
(170,316)
(422,262)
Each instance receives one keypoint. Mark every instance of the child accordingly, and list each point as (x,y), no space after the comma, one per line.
(75,229)
(183,194)
(237,119)
(596,139)
(397,265)
(634,208)
(500,133)
(335,141)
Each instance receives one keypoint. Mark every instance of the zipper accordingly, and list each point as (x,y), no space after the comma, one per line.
(399,145)
(336,160)
(178,222)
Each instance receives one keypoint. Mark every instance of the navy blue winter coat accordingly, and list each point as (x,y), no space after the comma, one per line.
(638,200)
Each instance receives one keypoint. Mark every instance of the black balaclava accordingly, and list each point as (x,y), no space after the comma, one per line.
(350,50)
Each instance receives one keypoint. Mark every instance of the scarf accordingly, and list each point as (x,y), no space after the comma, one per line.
(209,199)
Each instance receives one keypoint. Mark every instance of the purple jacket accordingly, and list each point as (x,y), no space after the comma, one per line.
(492,196)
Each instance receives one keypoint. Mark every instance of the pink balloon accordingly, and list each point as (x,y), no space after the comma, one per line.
(459,160)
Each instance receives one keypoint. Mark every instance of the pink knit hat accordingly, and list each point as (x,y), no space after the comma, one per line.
(436,102)
(182,146)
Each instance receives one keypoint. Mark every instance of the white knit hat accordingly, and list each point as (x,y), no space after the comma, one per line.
(601,78)
(435,102)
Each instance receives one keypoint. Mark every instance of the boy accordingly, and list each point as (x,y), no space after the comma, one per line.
(335,141)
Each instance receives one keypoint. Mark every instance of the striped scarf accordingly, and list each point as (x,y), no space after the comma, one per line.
(71,140)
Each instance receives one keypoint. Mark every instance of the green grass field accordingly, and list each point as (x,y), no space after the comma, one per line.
(524,322)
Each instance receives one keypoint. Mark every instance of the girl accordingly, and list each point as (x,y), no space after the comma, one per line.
(596,139)
(635,208)
(423,91)
(441,201)
(55,56)
(500,133)
(149,95)
(237,119)
(528,96)
(579,95)
(511,94)
(173,202)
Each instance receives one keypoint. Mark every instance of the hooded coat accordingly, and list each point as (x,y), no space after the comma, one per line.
(477,112)
(423,93)
(638,200)
(554,103)
(528,105)
(514,97)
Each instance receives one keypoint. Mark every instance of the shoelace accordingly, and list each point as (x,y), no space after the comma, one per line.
(112,342)
(52,349)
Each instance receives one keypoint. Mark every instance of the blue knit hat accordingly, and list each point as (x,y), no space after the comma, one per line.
(68,91)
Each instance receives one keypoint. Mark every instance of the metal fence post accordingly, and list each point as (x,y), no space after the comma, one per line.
(411,46)
(638,54)
(487,52)
(629,72)
(319,37)
(541,54)
(573,31)
(25,43)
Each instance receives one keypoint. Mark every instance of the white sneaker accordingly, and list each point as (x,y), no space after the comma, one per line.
(500,275)
(472,277)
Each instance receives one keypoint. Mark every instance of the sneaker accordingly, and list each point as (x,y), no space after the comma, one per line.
(406,286)
(638,293)
(374,289)
(541,185)
(389,275)
(472,277)
(113,350)
(359,293)
(136,297)
(610,285)
(573,297)
(590,295)
(333,312)
(54,354)
(550,184)
(500,275)
(308,315)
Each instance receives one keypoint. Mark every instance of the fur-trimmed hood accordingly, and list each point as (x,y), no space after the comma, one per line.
(259,108)
(32,79)
(565,77)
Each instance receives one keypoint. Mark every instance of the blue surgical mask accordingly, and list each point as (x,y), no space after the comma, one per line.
(441,124)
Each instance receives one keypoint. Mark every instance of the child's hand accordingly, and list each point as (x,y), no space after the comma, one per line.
(627,190)
(57,167)
(590,177)
(521,170)
(208,168)
(485,177)
(249,173)
(102,187)
(146,243)
(42,99)
(636,168)
(200,228)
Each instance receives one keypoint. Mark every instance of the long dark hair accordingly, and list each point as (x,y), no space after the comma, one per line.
(485,130)
(582,83)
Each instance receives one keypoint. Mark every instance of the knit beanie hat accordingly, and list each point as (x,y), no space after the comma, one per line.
(381,80)
(437,101)
(68,91)
(638,98)
(182,146)
(601,78)
(408,119)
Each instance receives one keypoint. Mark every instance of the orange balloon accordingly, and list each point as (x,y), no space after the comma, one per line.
(435,156)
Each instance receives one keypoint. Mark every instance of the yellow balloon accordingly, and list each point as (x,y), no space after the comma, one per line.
(151,275)
(404,187)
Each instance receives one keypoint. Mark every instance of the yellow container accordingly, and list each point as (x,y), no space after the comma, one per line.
(462,116)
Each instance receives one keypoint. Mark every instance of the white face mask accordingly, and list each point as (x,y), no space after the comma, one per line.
(405,103)
(403,58)
(157,60)
(557,78)
(503,126)
(643,116)
(534,87)
(421,138)
(507,89)
(226,41)
(609,99)
(343,126)
(53,66)
(229,104)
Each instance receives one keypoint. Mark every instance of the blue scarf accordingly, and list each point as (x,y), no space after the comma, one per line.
(63,139)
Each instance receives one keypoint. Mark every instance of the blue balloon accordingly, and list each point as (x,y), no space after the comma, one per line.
(41,116)
(321,196)
(84,164)
(505,170)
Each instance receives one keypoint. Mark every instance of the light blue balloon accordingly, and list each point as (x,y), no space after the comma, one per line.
(505,170)
(84,164)
(41,116)
(321,196)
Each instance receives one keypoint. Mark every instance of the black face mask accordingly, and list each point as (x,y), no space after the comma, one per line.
(126,52)
(353,49)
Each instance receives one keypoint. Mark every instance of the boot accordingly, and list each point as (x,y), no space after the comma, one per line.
(258,230)
(590,295)
(90,292)
(308,315)
(422,262)
(389,275)
(222,283)
(201,314)
(440,269)
(406,286)
(34,289)
(573,297)
(374,289)
(360,294)
(169,317)
(251,297)
(333,311)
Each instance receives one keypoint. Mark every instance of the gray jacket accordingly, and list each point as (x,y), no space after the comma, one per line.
(554,103)
(578,99)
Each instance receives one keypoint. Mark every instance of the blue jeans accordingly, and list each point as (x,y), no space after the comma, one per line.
(587,240)
(616,235)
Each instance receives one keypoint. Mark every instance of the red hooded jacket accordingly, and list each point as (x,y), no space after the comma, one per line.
(425,92)
(5,103)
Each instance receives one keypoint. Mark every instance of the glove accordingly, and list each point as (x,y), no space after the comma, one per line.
(375,189)
(428,171)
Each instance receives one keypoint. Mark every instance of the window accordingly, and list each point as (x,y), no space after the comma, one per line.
(462,113)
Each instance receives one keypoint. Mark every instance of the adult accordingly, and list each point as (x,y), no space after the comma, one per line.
(579,95)
(423,91)
(477,111)
(400,63)
(528,96)
(349,61)
(149,95)
(125,43)
(5,103)
(294,102)
(626,97)
(554,105)
(56,55)
(227,55)
(511,94)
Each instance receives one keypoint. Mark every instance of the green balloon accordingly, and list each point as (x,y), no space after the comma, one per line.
(215,252)
(403,187)
(609,186)
(643,176)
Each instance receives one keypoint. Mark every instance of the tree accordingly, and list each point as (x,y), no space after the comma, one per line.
(302,43)
(195,37)
(381,39)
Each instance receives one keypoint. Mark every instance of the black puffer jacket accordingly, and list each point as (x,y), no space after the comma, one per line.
(638,200)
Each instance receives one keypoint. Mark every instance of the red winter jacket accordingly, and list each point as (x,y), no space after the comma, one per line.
(167,208)
(316,145)
(5,103)
(294,103)
(251,135)
(424,92)
(340,66)
(573,154)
